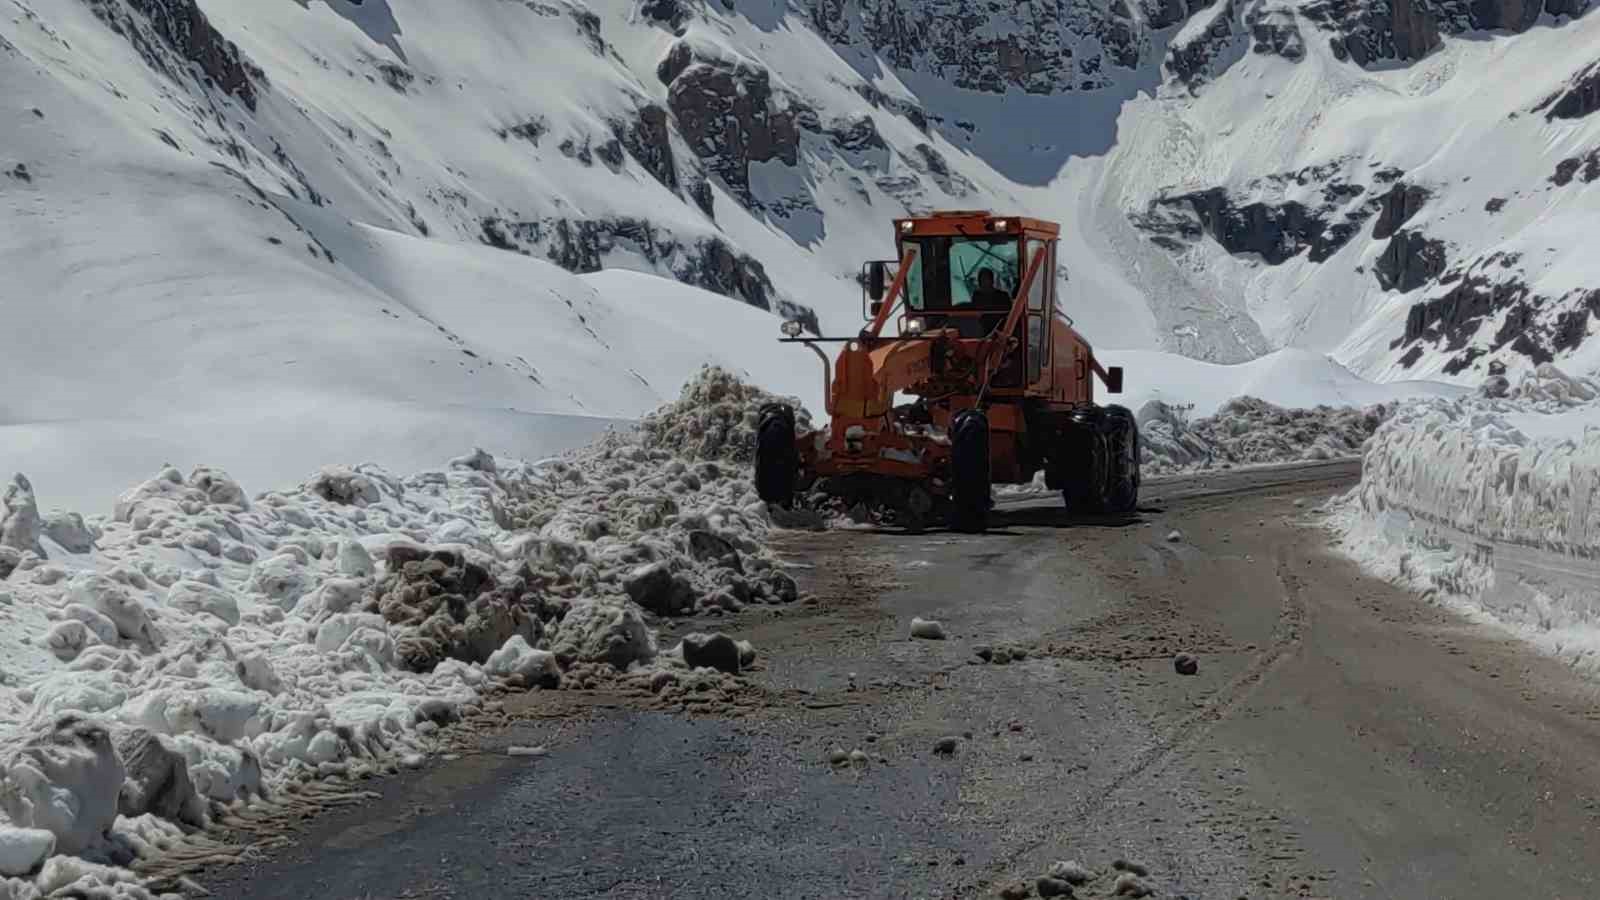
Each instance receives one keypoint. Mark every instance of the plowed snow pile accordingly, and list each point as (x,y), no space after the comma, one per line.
(199,647)
(1492,502)
(1248,431)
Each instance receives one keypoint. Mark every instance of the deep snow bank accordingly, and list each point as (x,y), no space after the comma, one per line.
(1492,501)
(201,647)
(1251,432)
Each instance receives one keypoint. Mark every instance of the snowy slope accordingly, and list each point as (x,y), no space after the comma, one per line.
(1332,202)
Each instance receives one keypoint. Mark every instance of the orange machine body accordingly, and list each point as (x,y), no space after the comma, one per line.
(1021,363)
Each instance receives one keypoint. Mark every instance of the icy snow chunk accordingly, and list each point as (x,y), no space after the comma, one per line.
(158,780)
(66,780)
(517,658)
(354,560)
(102,627)
(112,599)
(479,459)
(341,484)
(657,588)
(216,713)
(336,595)
(196,598)
(603,631)
(927,629)
(255,672)
(69,530)
(24,850)
(332,634)
(282,579)
(218,487)
(20,525)
(67,639)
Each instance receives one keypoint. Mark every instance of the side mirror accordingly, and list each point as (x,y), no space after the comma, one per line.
(1114,379)
(876,275)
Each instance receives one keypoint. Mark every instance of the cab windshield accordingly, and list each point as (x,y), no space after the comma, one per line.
(946,272)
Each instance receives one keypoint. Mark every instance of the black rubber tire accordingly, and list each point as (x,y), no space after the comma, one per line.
(1121,493)
(777,461)
(969,472)
(1080,459)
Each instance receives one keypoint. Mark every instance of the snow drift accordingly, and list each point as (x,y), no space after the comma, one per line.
(200,647)
(1494,502)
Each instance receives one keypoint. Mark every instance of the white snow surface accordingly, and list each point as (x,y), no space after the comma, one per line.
(286,636)
(1492,504)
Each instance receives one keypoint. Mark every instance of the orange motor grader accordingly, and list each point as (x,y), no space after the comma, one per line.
(996,385)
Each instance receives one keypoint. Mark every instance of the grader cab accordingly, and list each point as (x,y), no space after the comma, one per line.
(999,385)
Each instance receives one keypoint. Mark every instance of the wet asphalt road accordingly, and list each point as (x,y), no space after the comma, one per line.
(1341,739)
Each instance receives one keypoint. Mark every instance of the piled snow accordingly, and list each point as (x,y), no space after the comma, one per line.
(208,647)
(1248,432)
(1493,502)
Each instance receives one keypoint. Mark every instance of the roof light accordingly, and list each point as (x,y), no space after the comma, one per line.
(998,225)
(916,326)
(906,224)
(791,328)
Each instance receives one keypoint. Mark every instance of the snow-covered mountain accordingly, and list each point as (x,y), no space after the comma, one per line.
(254,219)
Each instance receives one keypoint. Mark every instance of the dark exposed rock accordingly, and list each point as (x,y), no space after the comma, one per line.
(700,192)
(1277,232)
(879,100)
(610,153)
(856,135)
(1531,325)
(1275,32)
(1370,31)
(1579,98)
(1160,14)
(1194,62)
(655,587)
(397,77)
(582,245)
(20,172)
(1045,47)
(1586,167)
(1399,205)
(589,26)
(678,58)
(1494,205)
(530,131)
(713,651)
(672,14)
(730,117)
(1410,261)
(169,34)
(648,141)
(1366,31)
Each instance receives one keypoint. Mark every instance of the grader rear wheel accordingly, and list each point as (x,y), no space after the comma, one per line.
(1121,491)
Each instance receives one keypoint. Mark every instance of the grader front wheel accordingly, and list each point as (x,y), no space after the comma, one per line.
(777,462)
(969,471)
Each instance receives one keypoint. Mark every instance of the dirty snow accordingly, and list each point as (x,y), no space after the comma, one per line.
(1491,503)
(201,646)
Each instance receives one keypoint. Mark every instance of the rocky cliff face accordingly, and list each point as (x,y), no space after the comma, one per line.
(1042,47)
(1369,31)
